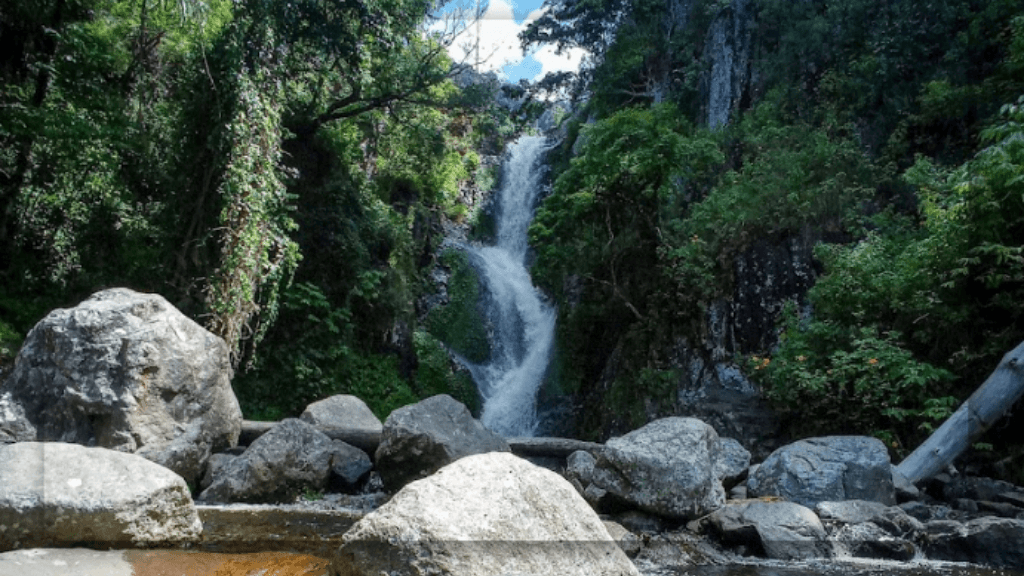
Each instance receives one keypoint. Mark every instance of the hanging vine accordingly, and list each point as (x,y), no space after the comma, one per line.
(257,256)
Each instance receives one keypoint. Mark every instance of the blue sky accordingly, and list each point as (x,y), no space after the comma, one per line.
(499,43)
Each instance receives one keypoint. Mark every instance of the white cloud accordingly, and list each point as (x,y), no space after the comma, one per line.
(494,41)
(568,61)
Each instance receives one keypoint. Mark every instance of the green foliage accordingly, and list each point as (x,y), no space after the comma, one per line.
(434,373)
(257,255)
(459,324)
(483,225)
(375,379)
(317,357)
(598,235)
(425,159)
(639,397)
(948,282)
(173,146)
(827,378)
(71,128)
(607,209)
(311,495)
(792,176)
(10,343)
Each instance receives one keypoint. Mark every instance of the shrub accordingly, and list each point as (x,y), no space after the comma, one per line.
(434,373)
(827,378)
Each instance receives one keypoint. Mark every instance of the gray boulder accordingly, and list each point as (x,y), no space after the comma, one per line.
(851,511)
(831,468)
(666,468)
(126,371)
(14,427)
(732,462)
(868,540)
(997,542)
(342,411)
(483,515)
(421,438)
(979,488)
(893,519)
(865,529)
(579,467)
(350,467)
(215,468)
(597,498)
(290,458)
(776,529)
(55,494)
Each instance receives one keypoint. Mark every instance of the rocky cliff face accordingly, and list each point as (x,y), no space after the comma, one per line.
(708,384)
(766,275)
(728,64)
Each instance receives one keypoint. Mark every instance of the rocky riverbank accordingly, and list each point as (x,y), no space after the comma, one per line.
(119,430)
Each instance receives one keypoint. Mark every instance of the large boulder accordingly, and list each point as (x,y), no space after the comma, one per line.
(342,411)
(776,529)
(579,469)
(126,371)
(668,468)
(732,462)
(868,540)
(290,458)
(350,467)
(996,542)
(421,438)
(865,529)
(55,494)
(215,468)
(831,468)
(483,515)
(892,519)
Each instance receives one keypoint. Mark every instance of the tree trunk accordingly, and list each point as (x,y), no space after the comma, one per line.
(994,398)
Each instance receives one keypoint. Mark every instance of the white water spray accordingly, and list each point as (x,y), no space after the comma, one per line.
(524,324)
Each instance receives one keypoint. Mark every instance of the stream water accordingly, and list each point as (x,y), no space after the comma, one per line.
(523,322)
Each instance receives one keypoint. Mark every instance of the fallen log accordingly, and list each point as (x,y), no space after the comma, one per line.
(989,402)
(546,446)
(367,441)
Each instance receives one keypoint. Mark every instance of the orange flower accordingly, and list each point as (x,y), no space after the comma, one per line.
(873,361)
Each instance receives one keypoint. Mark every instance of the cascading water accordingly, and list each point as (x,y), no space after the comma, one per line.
(524,324)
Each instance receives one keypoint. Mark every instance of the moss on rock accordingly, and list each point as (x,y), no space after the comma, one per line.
(460,323)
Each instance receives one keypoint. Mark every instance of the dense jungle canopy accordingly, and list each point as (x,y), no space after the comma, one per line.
(281,171)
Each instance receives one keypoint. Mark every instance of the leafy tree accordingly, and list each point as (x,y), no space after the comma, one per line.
(901,312)
(87,123)
(604,218)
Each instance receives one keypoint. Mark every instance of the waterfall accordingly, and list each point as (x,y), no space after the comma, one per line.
(523,323)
